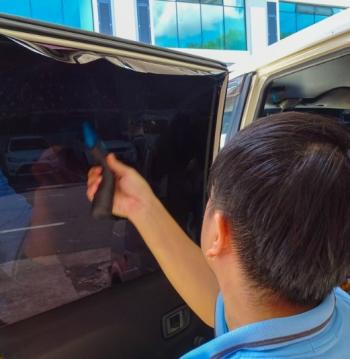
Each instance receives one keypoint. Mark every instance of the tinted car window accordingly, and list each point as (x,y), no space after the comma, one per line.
(51,251)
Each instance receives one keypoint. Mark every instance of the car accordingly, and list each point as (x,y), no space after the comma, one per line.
(82,288)
(25,151)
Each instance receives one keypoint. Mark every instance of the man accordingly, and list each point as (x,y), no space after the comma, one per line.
(275,240)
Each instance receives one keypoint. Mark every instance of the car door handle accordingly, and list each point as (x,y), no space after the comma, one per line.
(176,321)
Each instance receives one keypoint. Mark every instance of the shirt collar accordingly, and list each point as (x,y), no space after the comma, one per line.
(270,333)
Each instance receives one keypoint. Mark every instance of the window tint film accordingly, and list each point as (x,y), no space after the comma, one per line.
(51,250)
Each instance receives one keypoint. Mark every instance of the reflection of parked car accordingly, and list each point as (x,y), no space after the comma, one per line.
(25,151)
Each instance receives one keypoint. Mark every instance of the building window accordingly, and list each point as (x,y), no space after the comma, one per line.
(206,24)
(189,25)
(105,17)
(295,17)
(272,22)
(73,13)
(144,21)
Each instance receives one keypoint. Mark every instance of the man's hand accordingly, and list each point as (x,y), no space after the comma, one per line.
(132,195)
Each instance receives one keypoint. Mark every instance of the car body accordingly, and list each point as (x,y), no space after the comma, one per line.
(25,151)
(84,288)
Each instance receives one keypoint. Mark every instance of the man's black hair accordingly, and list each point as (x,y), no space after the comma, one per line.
(284,184)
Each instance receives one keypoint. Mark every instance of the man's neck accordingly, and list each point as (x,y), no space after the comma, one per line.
(244,306)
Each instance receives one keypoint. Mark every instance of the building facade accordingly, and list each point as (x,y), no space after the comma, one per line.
(227,30)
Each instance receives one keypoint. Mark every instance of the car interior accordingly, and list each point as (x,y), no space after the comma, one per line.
(71,286)
(323,88)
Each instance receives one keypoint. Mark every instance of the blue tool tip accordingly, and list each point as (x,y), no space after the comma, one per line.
(90,136)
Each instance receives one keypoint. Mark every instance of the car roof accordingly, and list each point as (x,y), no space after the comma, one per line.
(322,31)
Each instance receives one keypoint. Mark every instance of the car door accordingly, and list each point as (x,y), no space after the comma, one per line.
(71,286)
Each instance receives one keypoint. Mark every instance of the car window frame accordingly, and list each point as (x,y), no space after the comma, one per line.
(237,113)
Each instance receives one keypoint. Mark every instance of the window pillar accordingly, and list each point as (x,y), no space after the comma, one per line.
(256,12)
(125,15)
(272,22)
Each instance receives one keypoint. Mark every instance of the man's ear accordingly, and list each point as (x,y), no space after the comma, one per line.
(222,242)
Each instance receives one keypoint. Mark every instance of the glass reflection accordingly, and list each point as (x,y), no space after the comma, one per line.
(200,24)
(189,23)
(304,20)
(165,24)
(235,32)
(288,24)
(77,13)
(336,10)
(286,6)
(213,27)
(320,18)
(295,17)
(238,3)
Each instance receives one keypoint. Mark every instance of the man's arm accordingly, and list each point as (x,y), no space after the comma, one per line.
(181,260)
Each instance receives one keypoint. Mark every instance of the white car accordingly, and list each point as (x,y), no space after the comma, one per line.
(25,151)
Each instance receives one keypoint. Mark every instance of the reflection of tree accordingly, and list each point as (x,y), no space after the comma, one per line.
(285,34)
(194,45)
(217,43)
(234,40)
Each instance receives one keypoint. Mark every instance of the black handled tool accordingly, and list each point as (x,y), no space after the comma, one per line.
(103,200)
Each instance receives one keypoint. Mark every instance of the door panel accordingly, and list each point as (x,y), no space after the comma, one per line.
(120,322)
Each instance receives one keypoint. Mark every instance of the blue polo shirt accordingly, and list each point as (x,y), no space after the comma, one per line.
(322,332)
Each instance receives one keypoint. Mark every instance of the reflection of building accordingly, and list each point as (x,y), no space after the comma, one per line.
(227,30)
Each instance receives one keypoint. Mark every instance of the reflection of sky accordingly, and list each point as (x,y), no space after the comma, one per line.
(189,25)
(304,20)
(164,20)
(213,26)
(235,36)
(76,13)
(165,15)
